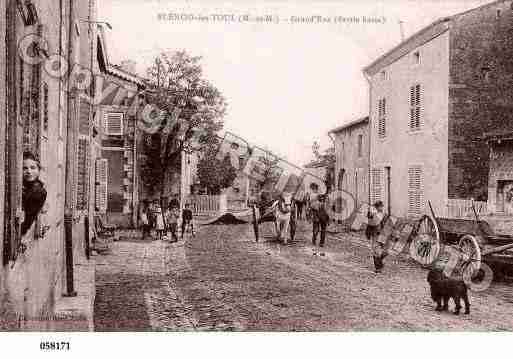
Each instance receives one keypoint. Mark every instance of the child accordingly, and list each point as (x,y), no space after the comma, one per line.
(187,219)
(33,192)
(172,221)
(145,223)
(159,222)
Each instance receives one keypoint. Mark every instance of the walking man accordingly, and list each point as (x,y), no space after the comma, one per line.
(375,217)
(187,219)
(320,219)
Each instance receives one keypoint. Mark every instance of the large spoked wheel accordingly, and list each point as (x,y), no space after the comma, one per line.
(425,245)
(470,255)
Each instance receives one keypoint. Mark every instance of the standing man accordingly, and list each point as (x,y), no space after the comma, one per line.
(320,219)
(187,219)
(375,217)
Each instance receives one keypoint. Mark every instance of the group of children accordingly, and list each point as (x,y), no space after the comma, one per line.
(165,222)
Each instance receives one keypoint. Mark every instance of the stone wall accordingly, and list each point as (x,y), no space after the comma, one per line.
(480,93)
(501,169)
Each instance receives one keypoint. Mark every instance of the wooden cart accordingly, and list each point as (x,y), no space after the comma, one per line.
(474,239)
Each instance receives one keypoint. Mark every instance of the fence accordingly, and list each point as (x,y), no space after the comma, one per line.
(462,208)
(207,204)
(237,204)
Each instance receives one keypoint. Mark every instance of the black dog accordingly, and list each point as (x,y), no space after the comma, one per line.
(444,288)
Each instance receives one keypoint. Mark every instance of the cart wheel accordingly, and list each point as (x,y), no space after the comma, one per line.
(425,245)
(471,255)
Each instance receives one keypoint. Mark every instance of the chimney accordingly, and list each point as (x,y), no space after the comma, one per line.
(401,28)
(128,66)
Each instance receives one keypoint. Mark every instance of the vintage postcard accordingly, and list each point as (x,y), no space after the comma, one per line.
(259,166)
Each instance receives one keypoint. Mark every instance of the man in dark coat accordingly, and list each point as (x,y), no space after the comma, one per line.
(320,219)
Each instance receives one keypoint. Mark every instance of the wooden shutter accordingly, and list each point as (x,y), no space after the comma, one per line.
(45,107)
(101,175)
(415,106)
(83,117)
(381,118)
(114,123)
(82,174)
(376,184)
(414,191)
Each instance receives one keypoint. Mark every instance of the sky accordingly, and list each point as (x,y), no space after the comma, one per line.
(286,83)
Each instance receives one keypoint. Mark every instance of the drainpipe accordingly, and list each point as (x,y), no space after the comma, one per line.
(335,172)
(135,201)
(70,151)
(367,77)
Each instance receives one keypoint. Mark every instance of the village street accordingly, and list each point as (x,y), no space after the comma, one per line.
(222,280)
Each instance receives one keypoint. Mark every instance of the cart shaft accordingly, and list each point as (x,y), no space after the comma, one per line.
(497,249)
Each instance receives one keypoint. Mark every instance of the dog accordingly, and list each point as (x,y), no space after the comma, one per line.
(443,288)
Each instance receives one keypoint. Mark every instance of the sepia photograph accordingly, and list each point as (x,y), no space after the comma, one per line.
(262,167)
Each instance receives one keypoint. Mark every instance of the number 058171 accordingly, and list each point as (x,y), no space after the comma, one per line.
(54,345)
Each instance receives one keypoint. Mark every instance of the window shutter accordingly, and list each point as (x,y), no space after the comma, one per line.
(376,184)
(45,107)
(415,106)
(382,118)
(82,174)
(114,123)
(83,117)
(414,191)
(101,184)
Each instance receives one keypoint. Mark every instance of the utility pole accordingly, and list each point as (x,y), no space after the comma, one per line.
(401,29)
(70,152)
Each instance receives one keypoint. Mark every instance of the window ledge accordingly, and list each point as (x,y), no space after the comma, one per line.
(416,131)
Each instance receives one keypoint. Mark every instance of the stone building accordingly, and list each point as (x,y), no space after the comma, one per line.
(500,181)
(46,109)
(352,158)
(117,185)
(431,97)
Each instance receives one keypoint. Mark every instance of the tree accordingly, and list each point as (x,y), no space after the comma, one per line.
(270,172)
(327,159)
(176,85)
(215,174)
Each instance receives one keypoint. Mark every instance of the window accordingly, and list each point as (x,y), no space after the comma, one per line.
(82,174)
(485,73)
(376,185)
(100,197)
(415,107)
(416,58)
(382,111)
(340,180)
(414,190)
(45,107)
(114,123)
(83,155)
(360,145)
(384,75)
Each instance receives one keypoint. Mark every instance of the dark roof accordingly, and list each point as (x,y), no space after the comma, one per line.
(350,124)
